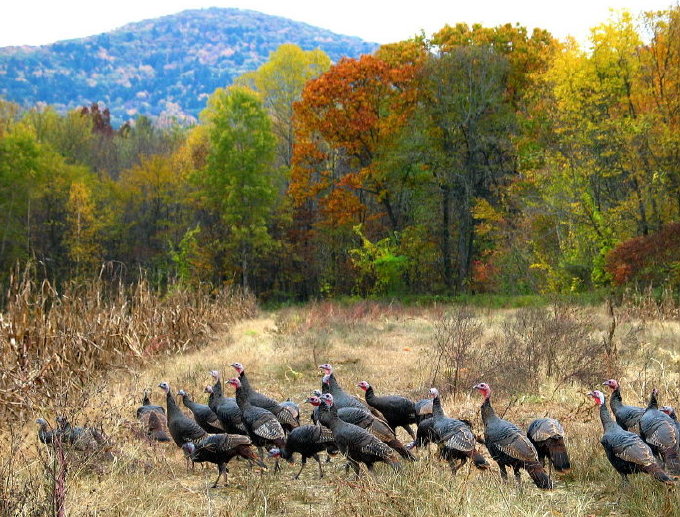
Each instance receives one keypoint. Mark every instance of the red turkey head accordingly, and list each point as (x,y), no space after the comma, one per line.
(665,409)
(326,379)
(41,422)
(484,389)
(327,368)
(434,393)
(208,389)
(327,399)
(188,448)
(238,367)
(236,383)
(612,383)
(364,385)
(314,401)
(165,387)
(598,396)
(215,375)
(182,393)
(275,453)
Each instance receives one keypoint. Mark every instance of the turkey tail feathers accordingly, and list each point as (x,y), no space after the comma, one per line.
(541,479)
(558,455)
(480,461)
(658,473)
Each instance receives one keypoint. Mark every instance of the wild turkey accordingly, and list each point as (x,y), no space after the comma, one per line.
(152,420)
(659,431)
(547,435)
(423,410)
(508,445)
(456,441)
(257,399)
(357,444)
(628,417)
(425,434)
(671,413)
(182,428)
(341,398)
(308,441)
(375,426)
(626,451)
(263,427)
(397,410)
(147,407)
(293,408)
(225,408)
(80,438)
(45,435)
(220,449)
(204,416)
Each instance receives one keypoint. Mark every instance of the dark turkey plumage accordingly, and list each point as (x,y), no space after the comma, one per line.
(397,410)
(357,444)
(182,428)
(628,417)
(226,409)
(220,449)
(626,451)
(509,446)
(659,431)
(257,399)
(456,441)
(308,441)
(547,435)
(204,416)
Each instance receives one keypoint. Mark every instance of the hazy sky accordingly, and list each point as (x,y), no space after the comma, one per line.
(37,22)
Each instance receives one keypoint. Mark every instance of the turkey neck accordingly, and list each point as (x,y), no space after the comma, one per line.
(173,410)
(332,420)
(488,414)
(245,383)
(188,402)
(146,401)
(616,402)
(606,417)
(242,398)
(370,395)
(217,388)
(653,403)
(437,410)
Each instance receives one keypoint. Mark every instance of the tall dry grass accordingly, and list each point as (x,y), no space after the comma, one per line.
(52,343)
(395,349)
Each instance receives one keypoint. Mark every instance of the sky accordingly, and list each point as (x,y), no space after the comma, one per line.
(38,22)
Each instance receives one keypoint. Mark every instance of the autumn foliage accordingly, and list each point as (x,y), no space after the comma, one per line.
(650,259)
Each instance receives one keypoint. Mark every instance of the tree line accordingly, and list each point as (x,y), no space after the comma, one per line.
(475,160)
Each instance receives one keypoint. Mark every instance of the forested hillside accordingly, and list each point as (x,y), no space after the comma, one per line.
(478,159)
(166,65)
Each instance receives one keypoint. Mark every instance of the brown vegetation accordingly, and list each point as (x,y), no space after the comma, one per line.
(395,348)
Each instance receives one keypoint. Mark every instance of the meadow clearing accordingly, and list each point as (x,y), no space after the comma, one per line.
(540,361)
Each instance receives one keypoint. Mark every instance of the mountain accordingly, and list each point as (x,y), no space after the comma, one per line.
(166,65)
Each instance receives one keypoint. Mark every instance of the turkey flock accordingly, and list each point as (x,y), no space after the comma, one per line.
(256,427)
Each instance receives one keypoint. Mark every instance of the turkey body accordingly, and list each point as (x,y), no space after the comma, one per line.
(220,449)
(456,441)
(398,411)
(547,436)
(510,447)
(357,444)
(308,441)
(626,451)
(659,431)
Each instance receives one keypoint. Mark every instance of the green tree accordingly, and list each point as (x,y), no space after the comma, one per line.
(279,82)
(240,183)
(461,134)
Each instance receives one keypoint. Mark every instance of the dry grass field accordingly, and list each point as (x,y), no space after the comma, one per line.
(537,368)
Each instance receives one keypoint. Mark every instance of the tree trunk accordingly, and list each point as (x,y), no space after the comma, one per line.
(465,240)
(446,236)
